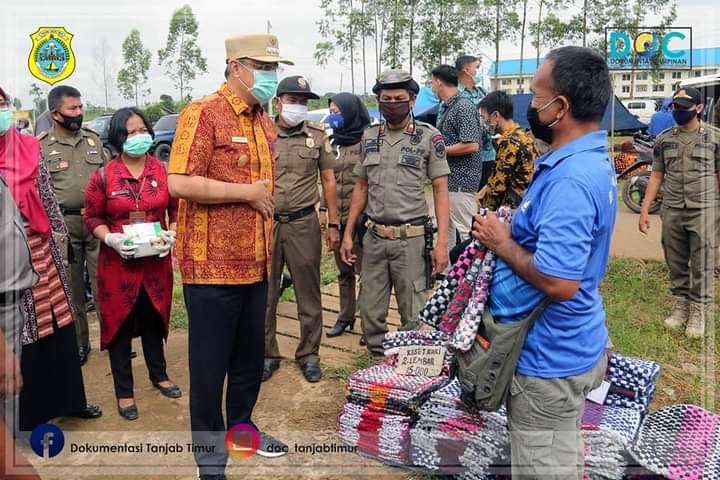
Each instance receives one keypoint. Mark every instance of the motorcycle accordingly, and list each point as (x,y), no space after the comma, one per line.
(633,192)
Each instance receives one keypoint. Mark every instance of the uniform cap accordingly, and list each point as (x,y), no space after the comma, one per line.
(394,78)
(297,85)
(260,47)
(687,97)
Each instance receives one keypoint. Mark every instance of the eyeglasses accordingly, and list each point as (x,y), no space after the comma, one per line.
(264,67)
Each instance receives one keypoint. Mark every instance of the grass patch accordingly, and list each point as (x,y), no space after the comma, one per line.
(362,361)
(637,300)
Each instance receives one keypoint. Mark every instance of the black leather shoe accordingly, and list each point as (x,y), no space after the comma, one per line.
(338,329)
(89,412)
(129,413)
(312,372)
(84,353)
(363,340)
(269,367)
(170,392)
(285,282)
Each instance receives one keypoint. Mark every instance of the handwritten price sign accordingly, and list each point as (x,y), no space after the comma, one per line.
(426,361)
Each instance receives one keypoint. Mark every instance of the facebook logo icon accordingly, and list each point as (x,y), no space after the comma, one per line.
(47,440)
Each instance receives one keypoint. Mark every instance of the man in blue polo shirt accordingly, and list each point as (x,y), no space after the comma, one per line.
(558,248)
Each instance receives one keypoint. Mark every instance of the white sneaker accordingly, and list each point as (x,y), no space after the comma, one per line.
(271,447)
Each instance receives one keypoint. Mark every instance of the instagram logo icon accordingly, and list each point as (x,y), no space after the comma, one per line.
(242,441)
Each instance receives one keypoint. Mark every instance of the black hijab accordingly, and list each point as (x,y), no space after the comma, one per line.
(355,116)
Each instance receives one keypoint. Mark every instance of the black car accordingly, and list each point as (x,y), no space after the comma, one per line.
(164,135)
(101,126)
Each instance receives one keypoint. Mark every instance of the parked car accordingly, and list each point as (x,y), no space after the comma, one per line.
(164,135)
(642,109)
(101,126)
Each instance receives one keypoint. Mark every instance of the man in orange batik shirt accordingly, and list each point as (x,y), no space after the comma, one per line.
(221,167)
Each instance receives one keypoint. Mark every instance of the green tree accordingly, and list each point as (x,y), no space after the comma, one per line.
(17,103)
(340,32)
(507,24)
(132,77)
(181,56)
(167,103)
(39,98)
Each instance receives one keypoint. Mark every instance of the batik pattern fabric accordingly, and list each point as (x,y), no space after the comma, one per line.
(681,442)
(466,330)
(452,439)
(435,308)
(632,381)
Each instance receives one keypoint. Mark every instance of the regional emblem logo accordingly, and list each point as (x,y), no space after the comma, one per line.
(51,58)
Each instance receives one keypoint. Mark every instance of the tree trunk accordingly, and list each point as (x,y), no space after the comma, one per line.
(539,26)
(362,14)
(585,24)
(522,43)
(497,41)
(377,34)
(352,49)
(412,33)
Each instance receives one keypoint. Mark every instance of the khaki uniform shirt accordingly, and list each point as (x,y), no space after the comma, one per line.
(346,157)
(301,153)
(71,161)
(396,165)
(690,162)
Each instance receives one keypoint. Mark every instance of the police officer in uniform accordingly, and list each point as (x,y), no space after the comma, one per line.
(72,153)
(398,156)
(687,163)
(303,149)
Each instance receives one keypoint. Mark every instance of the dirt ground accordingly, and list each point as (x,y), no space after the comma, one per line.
(295,411)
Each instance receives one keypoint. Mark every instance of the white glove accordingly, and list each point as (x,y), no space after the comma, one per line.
(168,236)
(116,241)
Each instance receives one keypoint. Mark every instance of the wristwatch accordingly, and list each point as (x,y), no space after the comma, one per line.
(322,209)
(333,225)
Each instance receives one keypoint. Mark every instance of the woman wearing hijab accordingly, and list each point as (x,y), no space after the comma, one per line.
(50,365)
(348,118)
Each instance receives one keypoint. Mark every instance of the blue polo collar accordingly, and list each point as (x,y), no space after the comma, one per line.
(590,141)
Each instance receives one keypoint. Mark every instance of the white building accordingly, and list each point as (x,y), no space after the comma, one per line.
(705,61)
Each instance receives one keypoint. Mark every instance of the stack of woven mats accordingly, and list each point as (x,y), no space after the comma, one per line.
(681,442)
(608,432)
(381,409)
(450,438)
(632,382)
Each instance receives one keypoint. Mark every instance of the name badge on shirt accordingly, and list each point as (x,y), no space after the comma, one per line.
(239,140)
(137,217)
(118,193)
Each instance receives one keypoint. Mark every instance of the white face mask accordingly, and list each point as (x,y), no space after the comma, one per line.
(294,114)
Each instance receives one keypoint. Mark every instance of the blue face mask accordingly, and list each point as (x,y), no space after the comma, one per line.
(336,121)
(138,145)
(264,86)
(478,77)
(5,121)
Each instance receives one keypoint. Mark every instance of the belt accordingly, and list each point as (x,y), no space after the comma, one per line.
(72,211)
(393,232)
(291,217)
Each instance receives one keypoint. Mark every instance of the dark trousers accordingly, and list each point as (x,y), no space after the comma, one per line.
(226,332)
(145,321)
(488,169)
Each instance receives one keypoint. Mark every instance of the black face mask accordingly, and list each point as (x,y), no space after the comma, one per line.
(540,131)
(395,112)
(71,123)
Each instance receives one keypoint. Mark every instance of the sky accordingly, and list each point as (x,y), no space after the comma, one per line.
(293,21)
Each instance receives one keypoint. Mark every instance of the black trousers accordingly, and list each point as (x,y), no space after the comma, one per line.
(226,331)
(488,169)
(145,321)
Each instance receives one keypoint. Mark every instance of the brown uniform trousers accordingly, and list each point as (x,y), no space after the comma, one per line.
(71,161)
(690,162)
(297,243)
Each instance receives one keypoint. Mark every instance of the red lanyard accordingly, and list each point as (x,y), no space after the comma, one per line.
(137,195)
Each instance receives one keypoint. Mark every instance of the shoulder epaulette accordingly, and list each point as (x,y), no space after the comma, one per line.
(316,125)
